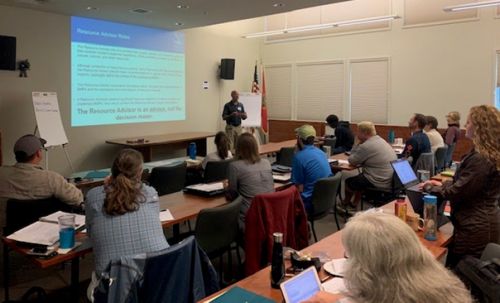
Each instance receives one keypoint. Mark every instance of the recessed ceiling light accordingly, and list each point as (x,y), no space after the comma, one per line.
(278,4)
(91,8)
(179,23)
(183,6)
(140,10)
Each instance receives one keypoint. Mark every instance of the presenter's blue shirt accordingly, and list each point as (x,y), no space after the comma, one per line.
(231,107)
(308,166)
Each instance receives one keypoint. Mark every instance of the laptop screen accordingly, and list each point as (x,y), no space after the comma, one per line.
(404,171)
(301,287)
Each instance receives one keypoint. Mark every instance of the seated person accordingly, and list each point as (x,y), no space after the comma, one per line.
(221,141)
(452,133)
(122,216)
(374,155)
(343,133)
(27,180)
(309,164)
(248,175)
(418,143)
(435,137)
(387,263)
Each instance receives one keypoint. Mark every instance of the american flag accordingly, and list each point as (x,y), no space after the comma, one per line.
(255,84)
(256,90)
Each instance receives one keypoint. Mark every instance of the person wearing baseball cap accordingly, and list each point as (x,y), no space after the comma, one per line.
(27,180)
(309,164)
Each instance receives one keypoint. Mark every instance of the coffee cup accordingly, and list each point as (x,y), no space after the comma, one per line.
(416,223)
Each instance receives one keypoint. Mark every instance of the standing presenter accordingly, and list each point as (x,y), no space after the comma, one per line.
(233,113)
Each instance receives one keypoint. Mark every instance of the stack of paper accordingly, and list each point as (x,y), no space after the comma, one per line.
(44,233)
(53,218)
(210,187)
(166,215)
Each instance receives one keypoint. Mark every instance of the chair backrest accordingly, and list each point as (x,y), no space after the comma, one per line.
(425,162)
(440,155)
(285,156)
(168,179)
(449,154)
(330,142)
(491,251)
(21,213)
(216,170)
(216,228)
(324,195)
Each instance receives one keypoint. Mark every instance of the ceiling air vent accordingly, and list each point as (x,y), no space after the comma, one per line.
(140,10)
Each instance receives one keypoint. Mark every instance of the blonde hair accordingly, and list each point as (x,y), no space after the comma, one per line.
(486,123)
(367,128)
(387,263)
(454,116)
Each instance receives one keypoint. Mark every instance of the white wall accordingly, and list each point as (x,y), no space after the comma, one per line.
(433,69)
(44,39)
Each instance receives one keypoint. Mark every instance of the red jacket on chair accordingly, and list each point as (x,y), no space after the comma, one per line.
(281,211)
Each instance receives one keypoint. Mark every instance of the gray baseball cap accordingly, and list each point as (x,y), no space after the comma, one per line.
(29,144)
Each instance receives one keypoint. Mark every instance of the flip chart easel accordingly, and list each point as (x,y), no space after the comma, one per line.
(49,123)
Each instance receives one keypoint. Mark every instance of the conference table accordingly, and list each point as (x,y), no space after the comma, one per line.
(145,144)
(274,147)
(332,247)
(182,206)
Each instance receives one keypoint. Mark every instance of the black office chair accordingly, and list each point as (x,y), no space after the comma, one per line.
(380,196)
(324,195)
(330,142)
(216,170)
(440,155)
(285,156)
(168,179)
(21,213)
(217,229)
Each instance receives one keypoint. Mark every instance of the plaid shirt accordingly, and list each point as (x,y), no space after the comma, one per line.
(122,235)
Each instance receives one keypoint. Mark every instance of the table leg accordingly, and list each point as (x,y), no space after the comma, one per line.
(6,271)
(75,279)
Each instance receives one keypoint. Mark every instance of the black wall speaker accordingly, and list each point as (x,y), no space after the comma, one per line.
(227,69)
(7,53)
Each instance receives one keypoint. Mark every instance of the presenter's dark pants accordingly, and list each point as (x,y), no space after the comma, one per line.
(232,133)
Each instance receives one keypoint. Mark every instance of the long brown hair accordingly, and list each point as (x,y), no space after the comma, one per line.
(247,148)
(486,122)
(123,192)
(222,142)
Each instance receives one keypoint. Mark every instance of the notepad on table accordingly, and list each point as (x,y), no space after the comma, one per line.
(166,215)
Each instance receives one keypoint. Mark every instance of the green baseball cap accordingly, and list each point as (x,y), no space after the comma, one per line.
(305,131)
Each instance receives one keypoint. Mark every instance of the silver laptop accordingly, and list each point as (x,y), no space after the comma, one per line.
(410,182)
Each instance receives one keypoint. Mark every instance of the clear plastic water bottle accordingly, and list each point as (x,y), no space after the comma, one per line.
(430,217)
(192,150)
(277,263)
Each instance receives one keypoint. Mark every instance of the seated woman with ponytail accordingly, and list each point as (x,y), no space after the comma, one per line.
(122,216)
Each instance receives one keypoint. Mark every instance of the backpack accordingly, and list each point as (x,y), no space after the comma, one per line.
(481,277)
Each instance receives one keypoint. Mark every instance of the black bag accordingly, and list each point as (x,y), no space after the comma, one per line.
(33,295)
(481,277)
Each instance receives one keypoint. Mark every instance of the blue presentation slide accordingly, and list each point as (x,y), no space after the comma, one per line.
(123,73)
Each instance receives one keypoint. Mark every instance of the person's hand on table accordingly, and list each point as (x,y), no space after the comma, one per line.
(324,297)
(430,183)
(107,180)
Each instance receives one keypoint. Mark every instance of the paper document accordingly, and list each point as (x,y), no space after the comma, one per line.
(334,285)
(44,233)
(166,215)
(52,218)
(341,161)
(282,177)
(210,187)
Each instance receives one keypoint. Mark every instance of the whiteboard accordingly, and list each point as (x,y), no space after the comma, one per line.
(252,103)
(48,118)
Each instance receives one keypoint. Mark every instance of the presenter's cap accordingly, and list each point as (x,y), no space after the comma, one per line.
(29,144)
(305,131)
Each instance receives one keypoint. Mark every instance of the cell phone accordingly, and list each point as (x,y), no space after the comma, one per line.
(42,253)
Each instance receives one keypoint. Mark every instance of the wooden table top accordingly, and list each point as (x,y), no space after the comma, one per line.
(332,247)
(161,139)
(274,147)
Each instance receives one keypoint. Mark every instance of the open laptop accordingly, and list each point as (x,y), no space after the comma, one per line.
(410,182)
(301,287)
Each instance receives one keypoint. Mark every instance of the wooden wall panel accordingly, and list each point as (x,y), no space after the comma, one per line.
(281,130)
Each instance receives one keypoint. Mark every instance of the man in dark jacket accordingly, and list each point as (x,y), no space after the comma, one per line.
(343,134)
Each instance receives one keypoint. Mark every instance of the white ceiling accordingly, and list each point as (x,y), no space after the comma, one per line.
(164,13)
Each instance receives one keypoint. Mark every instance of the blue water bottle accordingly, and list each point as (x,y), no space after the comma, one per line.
(430,217)
(192,150)
(391,136)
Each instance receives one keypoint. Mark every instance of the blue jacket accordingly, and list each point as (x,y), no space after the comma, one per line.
(180,273)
